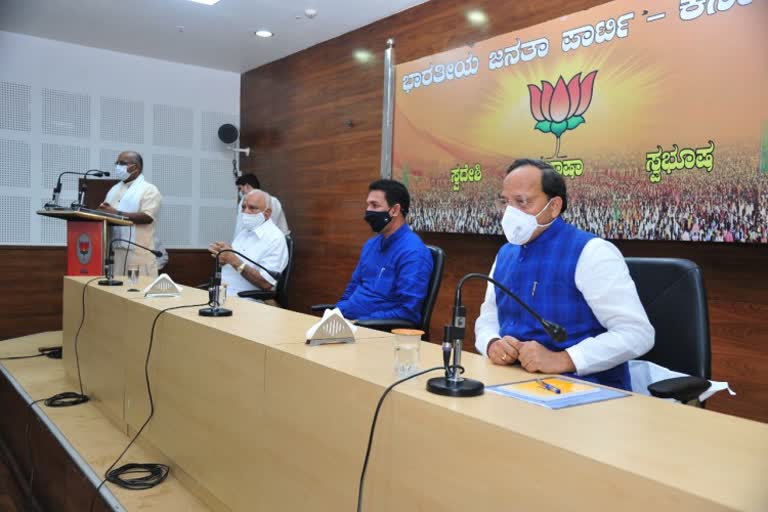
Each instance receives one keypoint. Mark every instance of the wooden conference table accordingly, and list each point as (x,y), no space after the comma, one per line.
(251,418)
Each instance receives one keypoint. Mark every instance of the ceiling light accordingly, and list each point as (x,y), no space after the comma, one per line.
(263,33)
(477,17)
(206,2)
(363,56)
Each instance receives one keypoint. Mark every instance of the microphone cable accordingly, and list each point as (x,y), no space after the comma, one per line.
(151,474)
(128,249)
(11,358)
(70,398)
(50,352)
(30,406)
(373,427)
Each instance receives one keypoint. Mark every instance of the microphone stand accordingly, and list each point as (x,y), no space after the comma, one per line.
(453,384)
(110,281)
(54,202)
(215,290)
(83,187)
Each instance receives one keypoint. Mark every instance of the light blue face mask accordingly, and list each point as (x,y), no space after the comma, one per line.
(121,172)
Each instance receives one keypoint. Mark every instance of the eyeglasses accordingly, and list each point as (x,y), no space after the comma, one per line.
(123,162)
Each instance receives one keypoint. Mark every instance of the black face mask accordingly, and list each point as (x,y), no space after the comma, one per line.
(377,220)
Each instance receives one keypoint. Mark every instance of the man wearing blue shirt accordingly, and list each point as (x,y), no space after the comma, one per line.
(392,276)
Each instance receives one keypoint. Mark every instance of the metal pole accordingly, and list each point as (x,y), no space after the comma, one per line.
(388,110)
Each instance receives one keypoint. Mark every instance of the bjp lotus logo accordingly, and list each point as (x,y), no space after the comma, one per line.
(84,248)
(561,108)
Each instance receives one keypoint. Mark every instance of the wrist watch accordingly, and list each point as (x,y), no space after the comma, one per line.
(240,268)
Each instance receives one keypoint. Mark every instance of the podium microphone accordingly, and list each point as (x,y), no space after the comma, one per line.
(83,186)
(453,384)
(54,202)
(214,293)
(110,281)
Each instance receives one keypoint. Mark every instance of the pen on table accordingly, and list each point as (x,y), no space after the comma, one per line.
(550,387)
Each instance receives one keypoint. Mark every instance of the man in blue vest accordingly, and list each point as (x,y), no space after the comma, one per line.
(392,276)
(570,277)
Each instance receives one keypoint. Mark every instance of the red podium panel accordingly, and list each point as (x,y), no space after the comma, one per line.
(87,237)
(84,248)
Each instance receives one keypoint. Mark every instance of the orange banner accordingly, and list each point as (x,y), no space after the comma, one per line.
(655,112)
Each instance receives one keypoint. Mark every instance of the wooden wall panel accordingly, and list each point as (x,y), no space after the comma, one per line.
(313,122)
(31,281)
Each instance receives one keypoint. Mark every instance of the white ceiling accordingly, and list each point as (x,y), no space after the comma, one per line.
(218,36)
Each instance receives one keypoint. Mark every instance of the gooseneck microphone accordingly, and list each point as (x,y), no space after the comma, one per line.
(214,293)
(83,186)
(110,260)
(54,202)
(453,384)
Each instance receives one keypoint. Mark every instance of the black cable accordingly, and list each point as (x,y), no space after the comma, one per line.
(153,474)
(373,428)
(29,443)
(69,398)
(127,250)
(11,358)
(48,351)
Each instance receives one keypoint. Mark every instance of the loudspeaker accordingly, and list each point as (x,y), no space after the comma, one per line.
(227,133)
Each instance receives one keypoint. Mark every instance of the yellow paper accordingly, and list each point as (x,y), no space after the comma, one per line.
(534,388)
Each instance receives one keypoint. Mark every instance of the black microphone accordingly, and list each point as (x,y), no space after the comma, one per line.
(453,384)
(213,297)
(110,260)
(83,187)
(54,202)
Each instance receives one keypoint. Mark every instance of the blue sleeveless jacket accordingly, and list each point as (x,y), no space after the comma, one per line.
(542,273)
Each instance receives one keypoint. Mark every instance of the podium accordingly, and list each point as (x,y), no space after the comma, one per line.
(87,237)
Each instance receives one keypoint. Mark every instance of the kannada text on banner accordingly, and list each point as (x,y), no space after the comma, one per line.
(655,112)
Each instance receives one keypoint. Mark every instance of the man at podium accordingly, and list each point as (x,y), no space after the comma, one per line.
(138,200)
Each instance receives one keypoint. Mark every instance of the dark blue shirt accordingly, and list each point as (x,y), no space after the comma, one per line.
(390,280)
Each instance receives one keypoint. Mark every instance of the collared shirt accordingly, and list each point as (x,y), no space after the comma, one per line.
(265,245)
(143,234)
(603,278)
(390,280)
(278,216)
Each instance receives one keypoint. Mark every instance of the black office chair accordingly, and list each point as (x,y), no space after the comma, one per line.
(673,295)
(438,261)
(280,290)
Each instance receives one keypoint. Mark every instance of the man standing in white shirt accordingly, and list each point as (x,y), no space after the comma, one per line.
(134,197)
(260,240)
(248,183)
(570,277)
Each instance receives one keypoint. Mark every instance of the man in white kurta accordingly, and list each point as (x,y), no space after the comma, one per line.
(248,183)
(138,200)
(260,240)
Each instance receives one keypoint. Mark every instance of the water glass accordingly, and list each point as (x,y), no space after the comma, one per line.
(132,271)
(222,294)
(407,344)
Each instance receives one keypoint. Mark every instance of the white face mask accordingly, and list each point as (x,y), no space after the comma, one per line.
(121,172)
(519,226)
(252,220)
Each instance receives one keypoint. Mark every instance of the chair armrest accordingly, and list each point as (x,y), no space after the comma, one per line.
(321,307)
(683,389)
(258,294)
(386,324)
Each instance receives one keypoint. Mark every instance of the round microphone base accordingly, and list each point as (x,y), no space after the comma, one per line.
(463,388)
(215,312)
(110,282)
